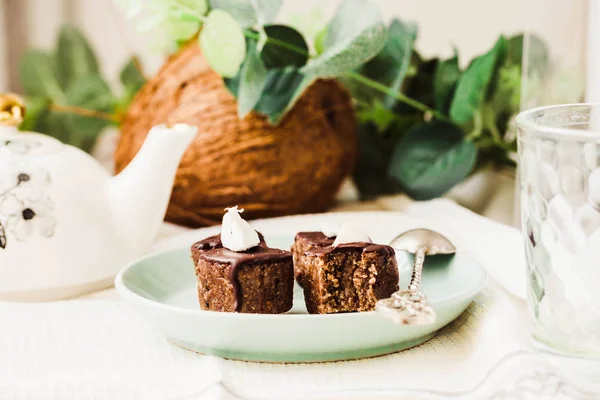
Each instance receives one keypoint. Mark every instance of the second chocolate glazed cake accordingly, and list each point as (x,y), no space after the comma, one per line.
(303,242)
(348,276)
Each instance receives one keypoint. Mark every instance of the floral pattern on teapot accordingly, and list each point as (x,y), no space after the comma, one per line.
(25,207)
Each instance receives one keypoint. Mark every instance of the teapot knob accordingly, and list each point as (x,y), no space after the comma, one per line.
(12,109)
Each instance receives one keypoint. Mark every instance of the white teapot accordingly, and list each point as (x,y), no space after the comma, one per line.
(66,225)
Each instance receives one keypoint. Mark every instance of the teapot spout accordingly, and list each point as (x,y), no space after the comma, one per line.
(140,193)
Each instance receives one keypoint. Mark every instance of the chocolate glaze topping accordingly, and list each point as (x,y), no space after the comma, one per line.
(315,238)
(209,243)
(255,255)
(214,242)
(364,246)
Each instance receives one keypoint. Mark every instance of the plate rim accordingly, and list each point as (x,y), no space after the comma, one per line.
(129,294)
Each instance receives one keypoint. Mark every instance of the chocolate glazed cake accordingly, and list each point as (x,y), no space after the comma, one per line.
(348,277)
(303,242)
(259,280)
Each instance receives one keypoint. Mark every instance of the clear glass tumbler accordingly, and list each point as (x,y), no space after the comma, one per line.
(559,173)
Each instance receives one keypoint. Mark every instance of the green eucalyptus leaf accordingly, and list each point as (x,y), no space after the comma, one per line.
(300,84)
(233,84)
(309,23)
(537,55)
(56,125)
(419,86)
(285,47)
(74,56)
(514,51)
(444,84)
(391,65)
(431,158)
(355,35)
(92,93)
(472,87)
(320,41)
(132,80)
(253,76)
(178,20)
(378,115)
(279,91)
(38,76)
(223,43)
(249,12)
(399,47)
(35,109)
(186,10)
(370,174)
(131,77)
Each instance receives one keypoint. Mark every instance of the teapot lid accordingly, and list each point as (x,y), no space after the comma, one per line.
(12,109)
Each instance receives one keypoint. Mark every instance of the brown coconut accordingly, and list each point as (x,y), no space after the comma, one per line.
(294,167)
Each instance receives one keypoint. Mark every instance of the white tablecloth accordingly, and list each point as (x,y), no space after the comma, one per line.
(84,349)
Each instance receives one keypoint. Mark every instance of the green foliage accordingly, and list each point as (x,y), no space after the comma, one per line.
(277,90)
(281,87)
(249,13)
(390,66)
(431,158)
(354,36)
(473,84)
(132,80)
(37,108)
(178,20)
(444,83)
(69,78)
(320,41)
(424,124)
(380,116)
(131,77)
(253,77)
(311,24)
(223,44)
(398,50)
(75,56)
(56,125)
(38,75)
(537,52)
(371,172)
(285,46)
(481,100)
(92,93)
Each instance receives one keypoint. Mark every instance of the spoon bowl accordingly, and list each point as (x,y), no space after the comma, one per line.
(414,239)
(410,307)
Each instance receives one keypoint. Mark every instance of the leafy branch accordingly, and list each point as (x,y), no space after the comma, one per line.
(66,95)
(397,95)
(461,116)
(300,49)
(84,112)
(424,124)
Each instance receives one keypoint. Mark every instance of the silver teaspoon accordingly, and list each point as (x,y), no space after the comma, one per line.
(410,307)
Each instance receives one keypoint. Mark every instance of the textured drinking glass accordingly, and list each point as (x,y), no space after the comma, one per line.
(559,163)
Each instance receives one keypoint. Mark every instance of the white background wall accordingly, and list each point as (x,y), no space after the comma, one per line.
(470,25)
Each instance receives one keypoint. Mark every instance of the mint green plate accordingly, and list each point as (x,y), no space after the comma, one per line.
(162,288)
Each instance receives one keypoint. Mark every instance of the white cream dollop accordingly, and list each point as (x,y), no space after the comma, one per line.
(236,233)
(350,233)
(330,229)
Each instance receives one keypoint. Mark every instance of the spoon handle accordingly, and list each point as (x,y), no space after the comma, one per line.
(415,280)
